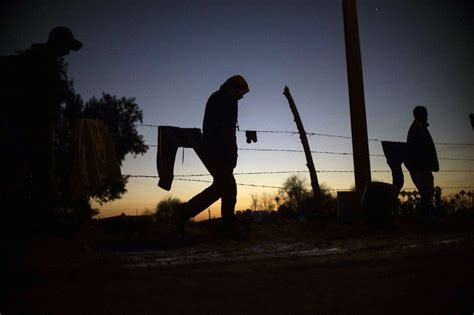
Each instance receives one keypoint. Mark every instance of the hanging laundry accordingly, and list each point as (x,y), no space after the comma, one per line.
(396,154)
(169,140)
(95,163)
(251,136)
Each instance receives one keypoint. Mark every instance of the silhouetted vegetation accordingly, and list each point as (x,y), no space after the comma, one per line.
(296,199)
(120,116)
(264,202)
(458,203)
(164,208)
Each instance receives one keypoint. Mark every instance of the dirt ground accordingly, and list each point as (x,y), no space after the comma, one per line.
(287,267)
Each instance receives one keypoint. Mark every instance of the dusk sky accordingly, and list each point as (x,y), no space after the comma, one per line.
(171,55)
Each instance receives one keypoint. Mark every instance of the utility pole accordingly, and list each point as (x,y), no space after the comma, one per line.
(360,143)
(307,151)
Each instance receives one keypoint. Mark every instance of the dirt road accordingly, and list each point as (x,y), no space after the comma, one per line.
(428,273)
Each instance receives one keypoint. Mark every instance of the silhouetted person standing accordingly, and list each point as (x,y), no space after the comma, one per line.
(33,89)
(422,160)
(219,153)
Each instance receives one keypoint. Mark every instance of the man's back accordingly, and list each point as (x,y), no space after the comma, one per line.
(32,87)
(219,125)
(421,149)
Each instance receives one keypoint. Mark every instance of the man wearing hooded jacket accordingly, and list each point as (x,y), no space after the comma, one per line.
(219,153)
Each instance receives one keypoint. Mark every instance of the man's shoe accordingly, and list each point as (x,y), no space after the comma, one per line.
(234,232)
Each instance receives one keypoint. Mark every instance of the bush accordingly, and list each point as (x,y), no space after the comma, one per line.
(164,209)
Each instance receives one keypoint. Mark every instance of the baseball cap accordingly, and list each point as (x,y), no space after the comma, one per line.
(63,35)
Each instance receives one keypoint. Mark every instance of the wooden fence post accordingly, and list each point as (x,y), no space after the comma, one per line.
(360,142)
(304,140)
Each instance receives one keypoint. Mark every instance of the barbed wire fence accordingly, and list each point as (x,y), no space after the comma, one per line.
(316,134)
(192,177)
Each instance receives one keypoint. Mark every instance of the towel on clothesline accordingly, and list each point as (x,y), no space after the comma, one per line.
(95,163)
(169,140)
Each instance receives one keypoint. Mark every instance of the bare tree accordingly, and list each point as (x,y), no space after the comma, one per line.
(294,191)
(267,202)
(254,202)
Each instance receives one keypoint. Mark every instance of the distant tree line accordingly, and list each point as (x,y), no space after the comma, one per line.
(453,204)
(295,200)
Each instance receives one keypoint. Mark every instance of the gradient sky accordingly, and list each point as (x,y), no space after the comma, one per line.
(171,55)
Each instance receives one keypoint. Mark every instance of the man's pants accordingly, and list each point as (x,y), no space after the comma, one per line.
(424,182)
(223,187)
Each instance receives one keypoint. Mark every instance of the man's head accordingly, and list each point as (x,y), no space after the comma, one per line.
(236,86)
(420,113)
(61,41)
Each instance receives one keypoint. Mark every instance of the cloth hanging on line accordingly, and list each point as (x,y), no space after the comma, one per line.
(95,163)
(169,140)
(251,136)
(396,155)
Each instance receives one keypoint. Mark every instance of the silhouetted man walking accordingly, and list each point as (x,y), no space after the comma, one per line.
(219,153)
(422,160)
(33,89)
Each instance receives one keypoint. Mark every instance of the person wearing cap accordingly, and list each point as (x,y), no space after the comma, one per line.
(422,160)
(33,89)
(219,154)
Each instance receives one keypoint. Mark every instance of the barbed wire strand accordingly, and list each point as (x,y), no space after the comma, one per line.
(199,180)
(273,187)
(322,171)
(325,152)
(337,153)
(319,135)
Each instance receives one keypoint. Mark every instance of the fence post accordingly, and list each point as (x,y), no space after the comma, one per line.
(307,151)
(360,142)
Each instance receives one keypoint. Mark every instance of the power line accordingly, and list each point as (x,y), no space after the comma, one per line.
(319,135)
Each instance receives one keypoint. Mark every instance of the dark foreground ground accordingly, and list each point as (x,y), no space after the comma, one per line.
(287,267)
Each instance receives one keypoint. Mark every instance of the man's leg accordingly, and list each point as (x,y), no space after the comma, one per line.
(231,227)
(424,182)
(229,198)
(208,196)
(201,201)
(223,186)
